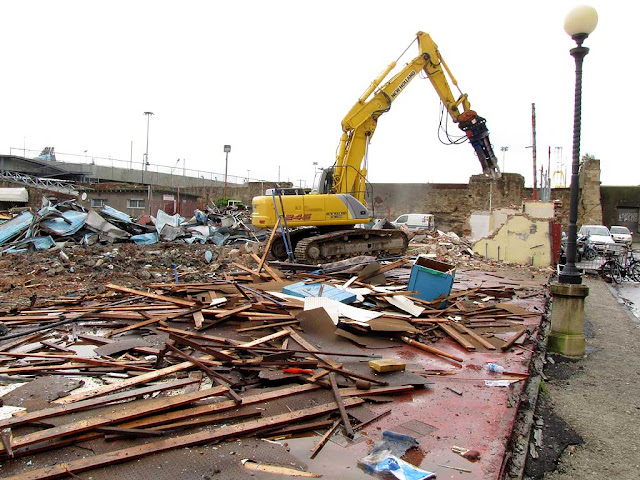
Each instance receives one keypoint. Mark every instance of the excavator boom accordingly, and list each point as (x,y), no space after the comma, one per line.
(340,202)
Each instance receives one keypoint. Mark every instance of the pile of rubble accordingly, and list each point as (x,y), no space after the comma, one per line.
(70,222)
(256,352)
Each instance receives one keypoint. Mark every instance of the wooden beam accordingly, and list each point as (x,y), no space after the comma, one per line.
(341,407)
(142,293)
(449,330)
(513,339)
(430,349)
(54,411)
(267,247)
(268,269)
(473,335)
(208,436)
(129,382)
(213,375)
(118,415)
(178,416)
(325,438)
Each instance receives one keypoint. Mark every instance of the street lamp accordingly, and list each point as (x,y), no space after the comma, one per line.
(504,151)
(578,23)
(146,155)
(227,149)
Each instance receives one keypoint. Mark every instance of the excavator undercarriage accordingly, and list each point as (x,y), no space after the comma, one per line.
(311,246)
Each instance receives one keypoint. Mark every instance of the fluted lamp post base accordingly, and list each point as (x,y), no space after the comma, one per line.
(567,320)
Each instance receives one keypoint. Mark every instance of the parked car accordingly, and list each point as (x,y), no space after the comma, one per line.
(415,221)
(597,236)
(621,234)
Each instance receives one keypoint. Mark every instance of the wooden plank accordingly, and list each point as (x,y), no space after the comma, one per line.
(268,325)
(513,339)
(198,319)
(208,436)
(220,314)
(325,438)
(118,415)
(300,340)
(267,247)
(77,359)
(267,268)
(474,335)
(430,349)
(199,336)
(129,382)
(268,338)
(218,355)
(354,392)
(142,293)
(54,411)
(449,330)
(341,407)
(213,375)
(374,419)
(386,268)
(178,416)
(206,420)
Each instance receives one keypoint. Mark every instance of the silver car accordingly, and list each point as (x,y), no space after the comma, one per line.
(621,234)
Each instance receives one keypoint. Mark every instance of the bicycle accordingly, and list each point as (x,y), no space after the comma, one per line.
(616,269)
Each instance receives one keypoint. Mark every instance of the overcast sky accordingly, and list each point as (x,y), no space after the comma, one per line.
(275,78)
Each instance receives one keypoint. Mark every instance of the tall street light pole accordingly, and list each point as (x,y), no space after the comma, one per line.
(227,149)
(504,151)
(146,155)
(579,23)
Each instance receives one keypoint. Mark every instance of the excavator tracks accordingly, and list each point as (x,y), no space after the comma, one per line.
(334,246)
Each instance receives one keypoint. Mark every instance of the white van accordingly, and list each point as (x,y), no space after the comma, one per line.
(415,221)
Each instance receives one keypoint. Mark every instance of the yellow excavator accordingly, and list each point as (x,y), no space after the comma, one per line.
(318,225)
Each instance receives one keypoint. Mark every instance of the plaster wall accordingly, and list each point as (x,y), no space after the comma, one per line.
(538,209)
(521,240)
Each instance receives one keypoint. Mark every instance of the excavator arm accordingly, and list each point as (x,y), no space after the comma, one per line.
(350,171)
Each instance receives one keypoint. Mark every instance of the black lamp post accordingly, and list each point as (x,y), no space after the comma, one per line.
(578,23)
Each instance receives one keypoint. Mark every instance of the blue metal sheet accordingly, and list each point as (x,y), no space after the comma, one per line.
(60,227)
(117,214)
(40,243)
(145,238)
(15,226)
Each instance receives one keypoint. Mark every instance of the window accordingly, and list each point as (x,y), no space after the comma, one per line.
(402,219)
(623,230)
(98,202)
(135,203)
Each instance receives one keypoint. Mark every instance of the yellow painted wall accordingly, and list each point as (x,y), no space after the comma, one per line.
(520,240)
(537,209)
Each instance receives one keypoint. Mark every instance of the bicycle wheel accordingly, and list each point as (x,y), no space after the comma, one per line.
(605,270)
(616,275)
(634,271)
(610,272)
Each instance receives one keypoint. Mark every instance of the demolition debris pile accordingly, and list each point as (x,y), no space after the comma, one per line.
(70,222)
(258,352)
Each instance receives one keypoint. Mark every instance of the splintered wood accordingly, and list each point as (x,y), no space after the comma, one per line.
(161,356)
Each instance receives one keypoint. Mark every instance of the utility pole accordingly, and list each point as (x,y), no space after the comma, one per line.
(533,126)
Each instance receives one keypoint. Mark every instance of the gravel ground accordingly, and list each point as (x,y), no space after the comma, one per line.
(598,397)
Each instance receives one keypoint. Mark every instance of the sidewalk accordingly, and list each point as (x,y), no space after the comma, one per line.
(598,396)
